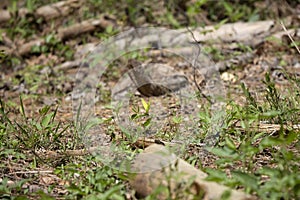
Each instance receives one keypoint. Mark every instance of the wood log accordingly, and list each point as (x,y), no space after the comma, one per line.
(51,11)
(63,34)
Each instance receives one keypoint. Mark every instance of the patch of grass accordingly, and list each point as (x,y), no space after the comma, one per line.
(87,180)
(40,133)
(22,143)
(263,163)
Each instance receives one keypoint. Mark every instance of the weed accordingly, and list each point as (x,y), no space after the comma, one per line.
(144,115)
(42,133)
(247,149)
(85,180)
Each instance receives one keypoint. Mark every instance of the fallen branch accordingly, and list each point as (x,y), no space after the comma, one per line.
(84,27)
(68,65)
(63,34)
(34,172)
(59,9)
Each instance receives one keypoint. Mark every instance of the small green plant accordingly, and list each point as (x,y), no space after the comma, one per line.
(283,107)
(142,115)
(252,104)
(53,45)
